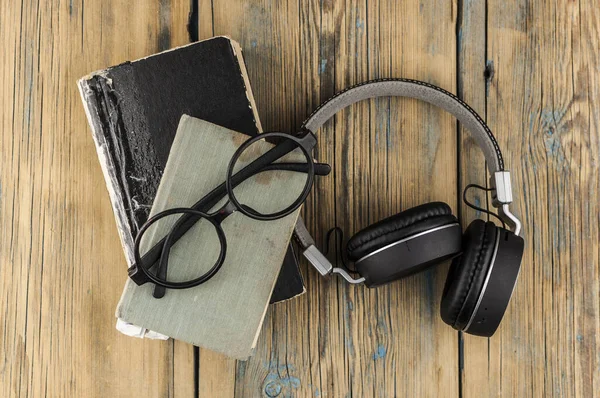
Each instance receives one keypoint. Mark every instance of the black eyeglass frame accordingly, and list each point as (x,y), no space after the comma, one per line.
(306,141)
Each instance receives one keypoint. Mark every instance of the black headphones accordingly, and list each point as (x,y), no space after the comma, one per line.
(487,258)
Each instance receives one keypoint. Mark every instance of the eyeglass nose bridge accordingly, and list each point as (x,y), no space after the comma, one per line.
(225,211)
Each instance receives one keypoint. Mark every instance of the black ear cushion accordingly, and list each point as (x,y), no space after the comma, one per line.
(467,274)
(402,225)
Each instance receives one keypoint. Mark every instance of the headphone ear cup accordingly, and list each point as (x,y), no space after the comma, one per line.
(405,243)
(399,226)
(467,274)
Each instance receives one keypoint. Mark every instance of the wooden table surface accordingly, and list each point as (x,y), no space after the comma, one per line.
(530,68)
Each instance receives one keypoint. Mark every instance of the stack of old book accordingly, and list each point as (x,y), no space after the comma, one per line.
(165,128)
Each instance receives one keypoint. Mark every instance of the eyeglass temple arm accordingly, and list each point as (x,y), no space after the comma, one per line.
(321,169)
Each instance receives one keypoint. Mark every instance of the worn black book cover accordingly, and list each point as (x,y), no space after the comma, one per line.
(134,109)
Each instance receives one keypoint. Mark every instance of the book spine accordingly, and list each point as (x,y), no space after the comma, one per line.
(97,108)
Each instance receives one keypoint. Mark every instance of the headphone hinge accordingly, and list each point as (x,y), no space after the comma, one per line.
(502,193)
(324,266)
(318,260)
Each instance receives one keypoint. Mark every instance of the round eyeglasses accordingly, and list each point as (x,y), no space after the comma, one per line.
(256,171)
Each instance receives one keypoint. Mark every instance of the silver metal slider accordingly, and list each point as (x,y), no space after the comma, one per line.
(502,196)
(324,266)
(318,260)
(502,193)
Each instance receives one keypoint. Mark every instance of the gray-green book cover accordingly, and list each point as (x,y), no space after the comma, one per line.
(224,314)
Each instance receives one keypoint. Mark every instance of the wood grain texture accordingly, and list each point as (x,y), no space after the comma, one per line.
(541,103)
(530,68)
(61,263)
(507,61)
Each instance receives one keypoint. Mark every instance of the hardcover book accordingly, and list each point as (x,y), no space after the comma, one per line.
(225,313)
(134,109)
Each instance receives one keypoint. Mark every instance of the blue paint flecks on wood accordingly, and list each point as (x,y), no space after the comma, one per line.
(477,201)
(360,24)
(380,353)
(275,385)
(317,393)
(322,66)
(551,118)
(552,127)
(279,381)
(579,338)
(349,345)
(273,389)
(253,43)
(382,325)
(552,144)
(241,369)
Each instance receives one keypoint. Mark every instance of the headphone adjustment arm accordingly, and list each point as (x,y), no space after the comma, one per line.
(344,274)
(315,257)
(310,251)
(318,260)
(502,196)
(324,266)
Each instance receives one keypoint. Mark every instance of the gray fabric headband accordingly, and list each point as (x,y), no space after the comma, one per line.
(419,90)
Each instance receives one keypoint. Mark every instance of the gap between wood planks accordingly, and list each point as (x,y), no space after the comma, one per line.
(192,28)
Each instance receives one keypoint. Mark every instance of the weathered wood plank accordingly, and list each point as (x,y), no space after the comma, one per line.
(412,161)
(62,267)
(205,19)
(542,107)
(337,339)
(61,263)
(472,87)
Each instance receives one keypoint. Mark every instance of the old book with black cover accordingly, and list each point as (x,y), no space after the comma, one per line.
(134,109)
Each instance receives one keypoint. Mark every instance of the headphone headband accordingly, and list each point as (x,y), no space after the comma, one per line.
(477,292)
(418,90)
(499,180)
